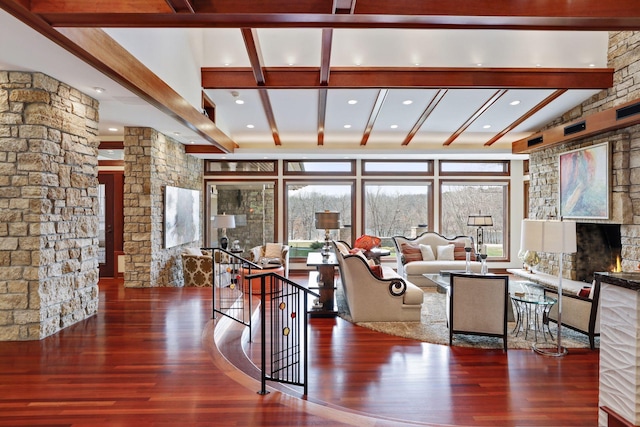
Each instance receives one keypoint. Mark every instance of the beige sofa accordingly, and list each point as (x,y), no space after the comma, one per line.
(371,299)
(413,270)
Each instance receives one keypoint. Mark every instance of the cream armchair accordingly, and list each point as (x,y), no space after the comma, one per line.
(271,253)
(477,305)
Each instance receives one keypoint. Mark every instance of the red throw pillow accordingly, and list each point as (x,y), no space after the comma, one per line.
(584,292)
(377,271)
(460,254)
(411,253)
(367,242)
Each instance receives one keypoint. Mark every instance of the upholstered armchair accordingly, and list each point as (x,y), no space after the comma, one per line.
(477,305)
(271,253)
(197,268)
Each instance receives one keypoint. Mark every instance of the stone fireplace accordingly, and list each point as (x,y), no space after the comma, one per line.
(599,249)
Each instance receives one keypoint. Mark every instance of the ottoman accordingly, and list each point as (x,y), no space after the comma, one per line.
(257,281)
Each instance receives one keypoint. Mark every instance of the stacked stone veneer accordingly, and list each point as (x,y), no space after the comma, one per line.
(153,161)
(624,57)
(48,206)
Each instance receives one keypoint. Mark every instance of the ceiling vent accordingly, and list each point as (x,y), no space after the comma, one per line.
(629,110)
(578,127)
(534,141)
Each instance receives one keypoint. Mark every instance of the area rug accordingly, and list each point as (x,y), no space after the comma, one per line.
(433,328)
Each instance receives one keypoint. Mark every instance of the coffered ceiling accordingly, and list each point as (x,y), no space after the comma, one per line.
(322,77)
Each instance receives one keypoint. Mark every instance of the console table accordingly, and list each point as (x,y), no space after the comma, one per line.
(324,276)
(619,346)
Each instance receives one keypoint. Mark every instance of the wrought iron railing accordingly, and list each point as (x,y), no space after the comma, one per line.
(283,315)
(284,331)
(230,298)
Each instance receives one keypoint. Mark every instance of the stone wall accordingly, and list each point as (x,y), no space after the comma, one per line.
(48,206)
(624,57)
(153,161)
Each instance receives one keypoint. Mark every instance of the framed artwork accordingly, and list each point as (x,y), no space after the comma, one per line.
(181,216)
(584,182)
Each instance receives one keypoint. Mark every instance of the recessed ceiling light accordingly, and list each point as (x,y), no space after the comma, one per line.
(347,126)
(352,101)
(479,64)
(292,64)
(239,101)
(592,65)
(516,102)
(110,151)
(394,126)
(538,65)
(99,89)
(176,133)
(192,142)
(417,64)
(486,126)
(113,129)
(250,126)
(407,102)
(226,64)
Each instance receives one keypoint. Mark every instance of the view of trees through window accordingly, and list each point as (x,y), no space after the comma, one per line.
(303,201)
(396,210)
(461,199)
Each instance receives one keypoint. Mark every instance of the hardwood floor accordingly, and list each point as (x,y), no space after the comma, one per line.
(148,358)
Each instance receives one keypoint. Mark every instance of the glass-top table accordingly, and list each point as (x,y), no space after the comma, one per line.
(530,304)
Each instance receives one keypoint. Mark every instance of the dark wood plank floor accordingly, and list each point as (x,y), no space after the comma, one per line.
(147,358)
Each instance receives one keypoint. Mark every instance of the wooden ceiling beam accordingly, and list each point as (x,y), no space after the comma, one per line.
(181,6)
(425,115)
(548,100)
(252,45)
(618,117)
(378,78)
(377,106)
(475,116)
(491,14)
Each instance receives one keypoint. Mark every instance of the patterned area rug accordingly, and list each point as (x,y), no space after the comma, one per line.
(433,328)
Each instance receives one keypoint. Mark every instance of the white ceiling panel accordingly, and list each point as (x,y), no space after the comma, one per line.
(296,113)
(298,47)
(224,47)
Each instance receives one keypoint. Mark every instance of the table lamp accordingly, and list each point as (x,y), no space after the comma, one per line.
(479,221)
(326,221)
(224,221)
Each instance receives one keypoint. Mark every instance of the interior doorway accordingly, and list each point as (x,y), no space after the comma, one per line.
(110,222)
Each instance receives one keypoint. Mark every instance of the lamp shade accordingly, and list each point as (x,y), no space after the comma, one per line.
(224,221)
(480,221)
(327,220)
(548,236)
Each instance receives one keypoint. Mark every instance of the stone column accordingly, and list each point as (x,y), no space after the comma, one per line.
(48,206)
(153,161)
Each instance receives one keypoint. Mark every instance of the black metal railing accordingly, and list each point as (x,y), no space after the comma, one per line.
(228,288)
(284,331)
(283,315)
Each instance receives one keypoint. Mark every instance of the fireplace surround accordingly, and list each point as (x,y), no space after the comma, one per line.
(599,248)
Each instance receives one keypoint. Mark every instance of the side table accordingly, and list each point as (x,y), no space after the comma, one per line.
(324,277)
(532,306)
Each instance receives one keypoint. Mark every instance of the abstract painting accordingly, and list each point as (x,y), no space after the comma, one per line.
(584,182)
(181,216)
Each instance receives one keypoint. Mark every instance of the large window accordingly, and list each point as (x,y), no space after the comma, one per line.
(303,200)
(460,199)
(254,209)
(397,209)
